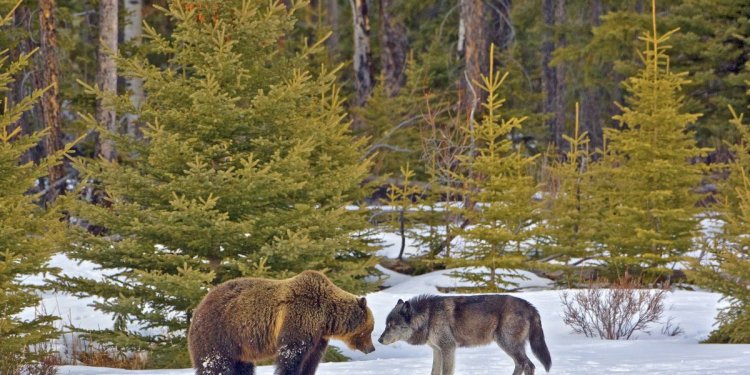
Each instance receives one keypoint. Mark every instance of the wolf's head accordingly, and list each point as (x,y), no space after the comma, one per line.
(398,325)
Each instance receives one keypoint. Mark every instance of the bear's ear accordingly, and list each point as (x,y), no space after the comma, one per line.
(362,302)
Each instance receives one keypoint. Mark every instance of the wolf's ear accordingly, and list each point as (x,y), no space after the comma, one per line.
(406,309)
(400,301)
(362,302)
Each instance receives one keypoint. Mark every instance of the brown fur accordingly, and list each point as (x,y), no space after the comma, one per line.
(246,320)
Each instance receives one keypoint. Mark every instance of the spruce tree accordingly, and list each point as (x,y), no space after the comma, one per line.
(503,215)
(392,122)
(569,202)
(247,167)
(728,270)
(402,199)
(29,234)
(648,180)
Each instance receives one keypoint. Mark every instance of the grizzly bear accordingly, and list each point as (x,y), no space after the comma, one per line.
(246,320)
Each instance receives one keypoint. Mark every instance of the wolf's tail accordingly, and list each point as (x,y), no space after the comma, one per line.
(536,339)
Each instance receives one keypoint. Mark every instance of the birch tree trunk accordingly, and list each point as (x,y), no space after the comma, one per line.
(363,81)
(106,75)
(474,22)
(132,32)
(50,102)
(393,47)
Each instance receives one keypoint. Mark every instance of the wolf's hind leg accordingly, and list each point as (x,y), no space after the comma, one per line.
(516,350)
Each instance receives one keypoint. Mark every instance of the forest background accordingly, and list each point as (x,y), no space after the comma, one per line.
(178,144)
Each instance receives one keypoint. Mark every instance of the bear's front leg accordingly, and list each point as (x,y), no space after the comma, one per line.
(292,352)
(310,363)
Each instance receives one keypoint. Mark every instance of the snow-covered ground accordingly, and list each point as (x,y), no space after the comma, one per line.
(571,354)
(653,353)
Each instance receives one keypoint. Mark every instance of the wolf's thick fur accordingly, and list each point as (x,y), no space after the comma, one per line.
(249,319)
(445,323)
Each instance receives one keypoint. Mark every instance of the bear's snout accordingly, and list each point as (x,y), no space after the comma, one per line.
(368,349)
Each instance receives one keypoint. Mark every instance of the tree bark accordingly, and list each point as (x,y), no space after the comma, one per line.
(106,75)
(560,110)
(549,74)
(24,83)
(502,30)
(332,17)
(475,53)
(50,102)
(593,98)
(392,49)
(132,32)
(362,56)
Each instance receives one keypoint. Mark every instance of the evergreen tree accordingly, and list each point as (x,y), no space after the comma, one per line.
(569,203)
(246,168)
(728,271)
(402,200)
(499,181)
(392,122)
(647,179)
(28,233)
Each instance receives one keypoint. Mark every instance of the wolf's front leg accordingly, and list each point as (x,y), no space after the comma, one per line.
(449,359)
(437,361)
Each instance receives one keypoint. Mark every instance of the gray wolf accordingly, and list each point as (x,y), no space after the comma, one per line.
(246,320)
(447,322)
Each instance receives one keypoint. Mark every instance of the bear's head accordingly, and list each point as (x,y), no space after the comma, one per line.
(361,325)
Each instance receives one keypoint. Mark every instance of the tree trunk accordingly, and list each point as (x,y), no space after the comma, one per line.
(332,17)
(24,83)
(549,74)
(106,75)
(475,53)
(132,32)
(402,232)
(50,102)
(502,30)
(593,98)
(560,110)
(393,47)
(362,55)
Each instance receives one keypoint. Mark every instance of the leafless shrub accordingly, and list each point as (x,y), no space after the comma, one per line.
(615,313)
(670,329)
(45,366)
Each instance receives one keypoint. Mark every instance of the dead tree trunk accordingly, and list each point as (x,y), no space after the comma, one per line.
(474,51)
(50,102)
(132,32)
(363,81)
(106,75)
(393,48)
